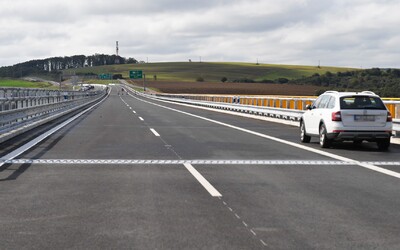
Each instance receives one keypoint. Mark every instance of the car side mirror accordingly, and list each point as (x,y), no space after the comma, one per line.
(309,107)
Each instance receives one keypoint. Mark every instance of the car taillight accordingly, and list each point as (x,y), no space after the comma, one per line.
(336,116)
(389,117)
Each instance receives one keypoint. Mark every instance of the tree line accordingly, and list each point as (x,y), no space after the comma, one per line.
(53,65)
(384,82)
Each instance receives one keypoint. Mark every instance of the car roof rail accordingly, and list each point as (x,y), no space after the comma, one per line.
(368,92)
(332,91)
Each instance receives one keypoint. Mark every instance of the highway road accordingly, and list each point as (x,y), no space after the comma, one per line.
(137,173)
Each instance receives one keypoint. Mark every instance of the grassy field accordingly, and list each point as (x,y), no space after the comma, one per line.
(220,88)
(23,84)
(212,72)
(180,77)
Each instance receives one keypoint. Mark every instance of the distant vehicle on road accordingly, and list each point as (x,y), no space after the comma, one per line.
(347,116)
(87,87)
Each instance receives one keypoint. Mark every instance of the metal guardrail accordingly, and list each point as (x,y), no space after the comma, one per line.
(22,109)
(282,102)
(288,114)
(280,113)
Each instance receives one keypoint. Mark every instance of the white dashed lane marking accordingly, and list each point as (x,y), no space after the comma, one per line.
(243,222)
(202,180)
(262,242)
(154,132)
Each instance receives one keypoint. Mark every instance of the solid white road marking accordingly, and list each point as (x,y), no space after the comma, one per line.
(202,180)
(154,132)
(296,145)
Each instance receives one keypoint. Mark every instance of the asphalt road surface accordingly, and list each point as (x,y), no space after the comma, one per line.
(136,173)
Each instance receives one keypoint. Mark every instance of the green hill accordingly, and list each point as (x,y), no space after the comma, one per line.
(211,72)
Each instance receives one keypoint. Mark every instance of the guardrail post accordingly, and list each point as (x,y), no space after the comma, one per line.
(284,103)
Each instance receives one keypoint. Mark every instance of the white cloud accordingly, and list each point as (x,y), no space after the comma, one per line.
(338,32)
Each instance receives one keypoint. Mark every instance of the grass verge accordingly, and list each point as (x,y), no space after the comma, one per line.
(23,84)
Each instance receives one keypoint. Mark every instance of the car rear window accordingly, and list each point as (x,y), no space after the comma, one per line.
(361,102)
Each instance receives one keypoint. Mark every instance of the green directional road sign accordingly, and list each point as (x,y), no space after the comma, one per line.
(135,74)
(106,76)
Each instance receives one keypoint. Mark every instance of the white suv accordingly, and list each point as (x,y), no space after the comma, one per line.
(347,116)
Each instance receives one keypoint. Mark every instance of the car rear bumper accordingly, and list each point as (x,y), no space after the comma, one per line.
(359,135)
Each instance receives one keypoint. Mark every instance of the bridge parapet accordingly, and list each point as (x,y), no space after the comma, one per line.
(283,102)
(22,109)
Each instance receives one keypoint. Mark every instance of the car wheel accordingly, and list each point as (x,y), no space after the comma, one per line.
(323,139)
(383,144)
(303,136)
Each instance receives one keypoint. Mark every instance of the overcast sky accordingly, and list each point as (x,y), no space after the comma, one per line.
(355,33)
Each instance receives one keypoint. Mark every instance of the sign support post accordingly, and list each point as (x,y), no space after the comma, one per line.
(144,80)
(138,74)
